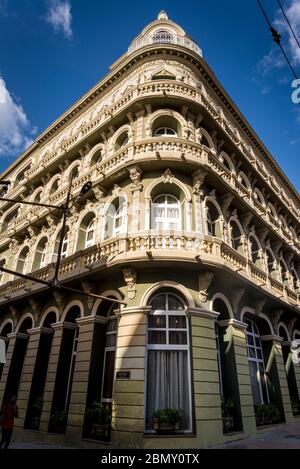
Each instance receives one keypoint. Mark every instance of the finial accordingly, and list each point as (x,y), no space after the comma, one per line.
(162,15)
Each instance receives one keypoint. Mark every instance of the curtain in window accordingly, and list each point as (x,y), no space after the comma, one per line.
(168,384)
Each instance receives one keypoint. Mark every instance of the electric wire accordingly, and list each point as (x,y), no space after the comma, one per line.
(289,23)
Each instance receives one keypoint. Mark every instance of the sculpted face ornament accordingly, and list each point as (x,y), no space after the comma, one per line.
(295,349)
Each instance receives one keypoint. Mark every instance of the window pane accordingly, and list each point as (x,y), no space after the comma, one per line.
(112,325)
(177,322)
(174,304)
(157,321)
(251,352)
(250,340)
(263,378)
(177,338)
(108,375)
(157,337)
(255,383)
(159,302)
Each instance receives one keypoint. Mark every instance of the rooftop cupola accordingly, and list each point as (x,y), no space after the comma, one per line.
(163,31)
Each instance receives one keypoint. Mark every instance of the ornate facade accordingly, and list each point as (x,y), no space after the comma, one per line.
(192,224)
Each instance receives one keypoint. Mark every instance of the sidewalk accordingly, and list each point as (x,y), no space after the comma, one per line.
(285,436)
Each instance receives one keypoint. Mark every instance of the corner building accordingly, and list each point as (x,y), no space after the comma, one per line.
(192,224)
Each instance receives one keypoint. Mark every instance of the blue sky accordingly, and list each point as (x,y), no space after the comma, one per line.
(53,51)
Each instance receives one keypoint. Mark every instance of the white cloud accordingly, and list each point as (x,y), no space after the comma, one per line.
(275,59)
(59,15)
(16,130)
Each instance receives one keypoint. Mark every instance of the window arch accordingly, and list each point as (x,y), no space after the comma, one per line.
(39,260)
(165,213)
(205,139)
(168,359)
(9,219)
(284,272)
(236,237)
(122,140)
(213,219)
(166,126)
(65,244)
(295,279)
(22,261)
(256,364)
(162,36)
(224,158)
(271,262)
(116,218)
(255,250)
(38,195)
(258,195)
(55,185)
(21,176)
(244,180)
(97,157)
(74,173)
(86,232)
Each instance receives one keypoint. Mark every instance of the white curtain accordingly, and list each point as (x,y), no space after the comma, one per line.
(168,384)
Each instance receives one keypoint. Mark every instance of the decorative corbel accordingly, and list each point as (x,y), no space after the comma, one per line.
(59,300)
(259,305)
(35,307)
(262,234)
(245,219)
(226,200)
(168,176)
(204,282)
(88,287)
(198,180)
(99,192)
(276,246)
(236,296)
(130,279)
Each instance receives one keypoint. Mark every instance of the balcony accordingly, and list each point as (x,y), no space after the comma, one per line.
(167,38)
(187,247)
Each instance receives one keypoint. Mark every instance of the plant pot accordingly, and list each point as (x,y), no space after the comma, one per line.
(165,427)
(228,424)
(101,431)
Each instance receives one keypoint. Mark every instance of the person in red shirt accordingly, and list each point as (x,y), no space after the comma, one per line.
(9,412)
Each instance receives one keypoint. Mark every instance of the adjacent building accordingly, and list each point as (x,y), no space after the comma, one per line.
(192,224)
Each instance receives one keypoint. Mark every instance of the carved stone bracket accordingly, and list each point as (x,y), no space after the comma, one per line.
(130,279)
(135,174)
(236,296)
(198,180)
(259,305)
(35,307)
(204,282)
(168,176)
(59,300)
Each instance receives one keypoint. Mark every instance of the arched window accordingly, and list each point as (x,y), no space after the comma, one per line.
(168,360)
(9,220)
(255,250)
(86,232)
(212,220)
(162,37)
(90,234)
(166,213)
(284,273)
(166,126)
(271,262)
(74,173)
(122,140)
(236,237)
(40,255)
(97,157)
(37,197)
(21,263)
(109,357)
(116,218)
(165,132)
(65,244)
(54,186)
(21,176)
(256,364)
(295,279)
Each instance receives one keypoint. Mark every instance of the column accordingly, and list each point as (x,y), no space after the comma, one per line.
(208,417)
(129,387)
(10,350)
(27,374)
(80,378)
(238,331)
(283,389)
(51,375)
(136,188)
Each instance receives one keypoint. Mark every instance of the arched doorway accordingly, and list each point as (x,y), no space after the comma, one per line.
(7,329)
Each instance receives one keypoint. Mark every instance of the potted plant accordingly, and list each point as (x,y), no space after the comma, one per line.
(167,420)
(35,413)
(228,407)
(58,421)
(99,419)
(266,414)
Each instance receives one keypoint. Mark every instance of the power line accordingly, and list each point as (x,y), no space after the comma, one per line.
(277,38)
(289,23)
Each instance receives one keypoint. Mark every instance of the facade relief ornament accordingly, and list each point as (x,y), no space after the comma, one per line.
(198,181)
(236,296)
(59,300)
(130,279)
(135,174)
(259,305)
(204,282)
(168,176)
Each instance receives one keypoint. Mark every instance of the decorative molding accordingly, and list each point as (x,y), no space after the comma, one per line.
(204,282)
(130,279)
(235,299)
